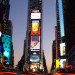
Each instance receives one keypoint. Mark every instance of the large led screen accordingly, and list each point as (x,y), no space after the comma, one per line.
(35,15)
(0,27)
(0,30)
(34,58)
(35,42)
(62,49)
(61,18)
(63,63)
(6,40)
(57,63)
(35,27)
(0,34)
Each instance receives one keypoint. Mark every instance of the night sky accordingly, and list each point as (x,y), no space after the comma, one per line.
(18,15)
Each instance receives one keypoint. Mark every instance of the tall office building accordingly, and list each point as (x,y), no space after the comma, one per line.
(60,24)
(33,53)
(57,40)
(65,20)
(6,34)
(60,41)
(4,9)
(69,24)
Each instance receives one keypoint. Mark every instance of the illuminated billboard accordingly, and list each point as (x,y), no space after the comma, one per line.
(6,39)
(62,63)
(61,18)
(62,49)
(35,27)
(35,42)
(0,27)
(0,30)
(57,63)
(0,34)
(34,58)
(35,15)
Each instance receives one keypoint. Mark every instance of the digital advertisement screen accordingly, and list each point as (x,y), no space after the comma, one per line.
(6,39)
(34,58)
(35,27)
(0,30)
(57,63)
(0,27)
(35,15)
(62,49)
(35,42)
(0,34)
(62,63)
(61,17)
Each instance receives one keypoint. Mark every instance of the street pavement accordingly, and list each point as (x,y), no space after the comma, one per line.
(15,73)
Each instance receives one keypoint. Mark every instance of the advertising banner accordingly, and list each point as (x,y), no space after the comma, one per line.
(57,63)
(34,58)
(62,63)
(6,39)
(35,15)
(0,30)
(62,49)
(35,30)
(35,42)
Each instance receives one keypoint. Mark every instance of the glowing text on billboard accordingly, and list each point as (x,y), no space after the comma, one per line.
(35,15)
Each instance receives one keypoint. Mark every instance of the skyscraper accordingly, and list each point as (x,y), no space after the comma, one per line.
(6,33)
(4,9)
(69,24)
(60,35)
(65,20)
(33,53)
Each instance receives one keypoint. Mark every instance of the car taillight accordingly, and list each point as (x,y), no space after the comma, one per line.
(57,73)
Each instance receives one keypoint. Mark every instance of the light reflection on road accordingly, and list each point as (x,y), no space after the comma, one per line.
(15,73)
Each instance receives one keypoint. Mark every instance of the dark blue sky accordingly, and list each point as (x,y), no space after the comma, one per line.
(18,15)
